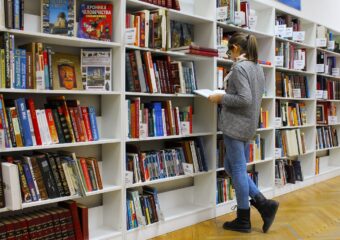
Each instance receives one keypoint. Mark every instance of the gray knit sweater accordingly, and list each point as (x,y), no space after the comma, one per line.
(242,102)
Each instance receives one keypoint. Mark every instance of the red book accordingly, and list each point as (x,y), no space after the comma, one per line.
(74,124)
(133,119)
(72,206)
(137,108)
(9,226)
(56,223)
(83,213)
(51,125)
(85,113)
(32,222)
(2,230)
(24,228)
(31,107)
(133,63)
(190,118)
(203,53)
(80,124)
(141,28)
(66,226)
(86,174)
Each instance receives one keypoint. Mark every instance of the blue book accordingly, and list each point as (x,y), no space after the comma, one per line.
(16,16)
(17,68)
(93,122)
(307,88)
(129,226)
(30,183)
(23,68)
(157,106)
(24,122)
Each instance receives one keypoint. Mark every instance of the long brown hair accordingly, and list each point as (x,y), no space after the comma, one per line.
(247,43)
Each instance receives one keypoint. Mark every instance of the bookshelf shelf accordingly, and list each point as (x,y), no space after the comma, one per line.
(49,201)
(294,127)
(295,156)
(169,137)
(63,145)
(3,210)
(230,62)
(188,18)
(60,92)
(104,232)
(229,27)
(61,40)
(294,71)
(105,189)
(299,44)
(295,99)
(139,94)
(329,52)
(165,180)
(326,149)
(251,163)
(328,76)
(264,129)
(329,170)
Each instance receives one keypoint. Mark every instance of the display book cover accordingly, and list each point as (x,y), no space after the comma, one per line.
(58,17)
(95,21)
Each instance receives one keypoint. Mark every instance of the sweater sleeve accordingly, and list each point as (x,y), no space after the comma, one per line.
(243,96)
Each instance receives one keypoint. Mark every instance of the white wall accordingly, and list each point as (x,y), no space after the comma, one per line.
(324,12)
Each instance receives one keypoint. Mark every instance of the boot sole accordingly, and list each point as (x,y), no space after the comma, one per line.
(238,230)
(275,211)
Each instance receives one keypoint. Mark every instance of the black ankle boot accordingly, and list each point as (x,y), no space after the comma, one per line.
(267,208)
(241,223)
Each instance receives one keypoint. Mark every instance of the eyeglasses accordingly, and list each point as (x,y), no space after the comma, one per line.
(229,50)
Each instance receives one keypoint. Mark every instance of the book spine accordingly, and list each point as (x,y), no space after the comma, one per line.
(23,120)
(51,126)
(22,14)
(99,179)
(17,68)
(64,125)
(29,70)
(38,178)
(2,193)
(9,13)
(93,121)
(80,124)
(11,128)
(55,172)
(23,68)
(11,60)
(92,177)
(74,124)
(16,14)
(30,182)
(31,107)
(58,125)
(51,186)
(25,192)
(31,127)
(86,174)
(16,127)
(7,57)
(85,114)
(46,70)
(50,69)
(62,175)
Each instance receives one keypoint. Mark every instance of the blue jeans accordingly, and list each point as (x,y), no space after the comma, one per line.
(235,164)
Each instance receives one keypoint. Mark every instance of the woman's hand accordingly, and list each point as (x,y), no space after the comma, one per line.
(216,98)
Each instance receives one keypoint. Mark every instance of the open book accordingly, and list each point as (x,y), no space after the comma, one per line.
(207,92)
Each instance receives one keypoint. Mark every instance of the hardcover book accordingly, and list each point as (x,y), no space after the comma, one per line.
(96,69)
(95,21)
(66,72)
(58,17)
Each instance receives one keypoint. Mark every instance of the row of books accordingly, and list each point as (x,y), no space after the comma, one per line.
(59,17)
(291,113)
(143,209)
(237,12)
(330,44)
(327,88)
(152,165)
(254,175)
(60,121)
(158,74)
(51,175)
(224,188)
(292,57)
(264,119)
(156,119)
(326,64)
(291,86)
(290,23)
(172,4)
(291,142)
(326,113)
(36,66)
(287,171)
(326,137)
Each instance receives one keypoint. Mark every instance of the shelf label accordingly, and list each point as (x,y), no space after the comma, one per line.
(332,119)
(331,45)
(130,36)
(319,94)
(222,13)
(252,22)
(278,122)
(335,71)
(321,42)
(279,61)
(185,128)
(325,94)
(143,130)
(297,93)
(299,64)
(280,30)
(299,36)
(289,32)
(239,18)
(278,152)
(188,168)
(320,68)
(128,177)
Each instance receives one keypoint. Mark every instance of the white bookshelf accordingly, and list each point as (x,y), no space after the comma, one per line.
(188,199)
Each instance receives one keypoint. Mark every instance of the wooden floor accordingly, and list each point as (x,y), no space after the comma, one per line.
(310,213)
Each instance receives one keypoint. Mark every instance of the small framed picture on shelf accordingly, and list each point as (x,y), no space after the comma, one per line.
(320,117)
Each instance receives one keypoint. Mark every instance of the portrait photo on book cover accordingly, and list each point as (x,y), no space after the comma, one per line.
(67,76)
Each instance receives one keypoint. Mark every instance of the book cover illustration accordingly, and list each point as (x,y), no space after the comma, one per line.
(66,72)
(58,17)
(96,69)
(95,21)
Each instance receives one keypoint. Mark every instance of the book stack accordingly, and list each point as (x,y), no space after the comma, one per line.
(36,66)
(220,152)
(293,57)
(325,111)
(264,119)
(197,50)
(287,171)
(143,209)
(291,142)
(158,74)
(157,119)
(152,165)
(60,121)
(329,89)
(172,4)
(291,86)
(51,175)
(225,190)
(291,114)
(14,14)
(257,149)
(326,137)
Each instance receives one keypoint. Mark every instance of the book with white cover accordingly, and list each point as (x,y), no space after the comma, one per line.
(207,92)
